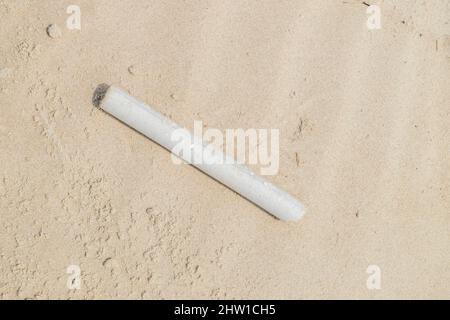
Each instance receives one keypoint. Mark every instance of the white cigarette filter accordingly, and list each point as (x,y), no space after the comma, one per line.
(237,177)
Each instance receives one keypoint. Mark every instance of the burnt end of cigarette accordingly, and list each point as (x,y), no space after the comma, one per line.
(99,94)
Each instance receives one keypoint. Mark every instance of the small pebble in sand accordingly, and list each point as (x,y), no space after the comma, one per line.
(54,31)
(132,70)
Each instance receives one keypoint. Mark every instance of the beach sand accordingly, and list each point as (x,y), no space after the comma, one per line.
(364,120)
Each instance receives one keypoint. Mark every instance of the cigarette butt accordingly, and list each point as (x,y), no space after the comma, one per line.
(237,177)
